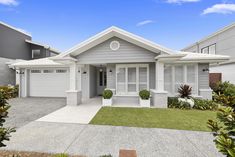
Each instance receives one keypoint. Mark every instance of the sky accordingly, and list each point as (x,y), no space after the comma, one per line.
(64,23)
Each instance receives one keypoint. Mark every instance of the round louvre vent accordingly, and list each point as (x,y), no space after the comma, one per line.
(114,45)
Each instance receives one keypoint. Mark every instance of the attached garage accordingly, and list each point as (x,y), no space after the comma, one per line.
(48,82)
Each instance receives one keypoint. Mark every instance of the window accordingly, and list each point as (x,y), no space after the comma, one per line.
(176,75)
(101,78)
(209,49)
(36,54)
(131,78)
(48,71)
(61,71)
(35,71)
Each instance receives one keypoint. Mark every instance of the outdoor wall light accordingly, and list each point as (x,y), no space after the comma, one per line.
(84,72)
(205,69)
(110,71)
(19,72)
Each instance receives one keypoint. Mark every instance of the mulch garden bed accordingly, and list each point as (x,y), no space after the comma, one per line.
(5,153)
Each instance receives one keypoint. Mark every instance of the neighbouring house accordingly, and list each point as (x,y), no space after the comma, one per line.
(221,42)
(16,45)
(120,61)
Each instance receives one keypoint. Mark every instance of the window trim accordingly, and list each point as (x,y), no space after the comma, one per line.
(208,47)
(126,66)
(33,51)
(173,93)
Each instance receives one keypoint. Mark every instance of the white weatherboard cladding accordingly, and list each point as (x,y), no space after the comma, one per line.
(227,71)
(48,84)
(126,53)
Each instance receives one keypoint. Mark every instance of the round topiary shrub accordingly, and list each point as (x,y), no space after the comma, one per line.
(107,94)
(144,94)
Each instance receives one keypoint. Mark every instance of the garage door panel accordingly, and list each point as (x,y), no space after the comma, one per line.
(48,84)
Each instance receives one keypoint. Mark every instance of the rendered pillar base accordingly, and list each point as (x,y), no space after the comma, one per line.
(74,98)
(159,98)
(206,93)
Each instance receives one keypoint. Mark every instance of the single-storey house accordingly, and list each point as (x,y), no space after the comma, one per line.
(120,61)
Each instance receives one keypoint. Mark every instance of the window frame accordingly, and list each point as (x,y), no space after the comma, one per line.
(208,47)
(185,79)
(126,83)
(33,55)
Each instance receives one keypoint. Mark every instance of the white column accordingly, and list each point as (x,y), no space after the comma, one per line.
(26,82)
(74,94)
(79,85)
(159,76)
(159,96)
(73,70)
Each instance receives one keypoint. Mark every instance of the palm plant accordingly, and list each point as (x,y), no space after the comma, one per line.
(185,91)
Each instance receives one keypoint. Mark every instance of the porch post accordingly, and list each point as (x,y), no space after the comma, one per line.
(74,96)
(159,96)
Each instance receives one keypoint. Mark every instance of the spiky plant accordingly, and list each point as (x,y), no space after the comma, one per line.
(185,91)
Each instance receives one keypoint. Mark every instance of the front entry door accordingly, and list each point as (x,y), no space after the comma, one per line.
(101,80)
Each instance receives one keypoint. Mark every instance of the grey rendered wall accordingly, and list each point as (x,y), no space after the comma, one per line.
(127,53)
(12,44)
(203,76)
(93,81)
(224,43)
(7,75)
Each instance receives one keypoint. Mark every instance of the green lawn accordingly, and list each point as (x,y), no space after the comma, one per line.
(154,118)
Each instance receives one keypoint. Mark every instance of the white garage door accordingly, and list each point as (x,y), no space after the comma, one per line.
(48,82)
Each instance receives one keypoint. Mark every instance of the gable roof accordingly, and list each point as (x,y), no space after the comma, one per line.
(43,45)
(115,32)
(16,29)
(210,36)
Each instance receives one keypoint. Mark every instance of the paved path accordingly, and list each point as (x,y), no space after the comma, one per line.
(81,114)
(25,110)
(95,140)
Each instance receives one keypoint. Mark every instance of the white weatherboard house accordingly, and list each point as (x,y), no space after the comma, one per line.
(120,61)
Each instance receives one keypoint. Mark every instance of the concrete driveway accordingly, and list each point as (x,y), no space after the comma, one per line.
(81,114)
(25,110)
(94,140)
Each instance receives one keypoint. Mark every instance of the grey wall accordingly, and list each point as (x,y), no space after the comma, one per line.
(125,54)
(7,75)
(12,44)
(224,43)
(203,76)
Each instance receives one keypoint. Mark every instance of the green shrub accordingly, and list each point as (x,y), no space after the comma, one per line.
(185,91)
(173,102)
(4,132)
(61,155)
(144,94)
(107,94)
(10,91)
(201,104)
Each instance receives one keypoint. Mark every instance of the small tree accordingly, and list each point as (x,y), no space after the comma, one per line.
(4,132)
(224,127)
(185,91)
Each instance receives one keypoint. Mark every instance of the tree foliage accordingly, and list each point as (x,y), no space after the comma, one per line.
(4,106)
(224,127)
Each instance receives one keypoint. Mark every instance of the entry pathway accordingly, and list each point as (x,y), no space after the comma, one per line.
(81,114)
(96,140)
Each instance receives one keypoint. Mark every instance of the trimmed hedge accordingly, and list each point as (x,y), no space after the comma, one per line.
(107,94)
(144,94)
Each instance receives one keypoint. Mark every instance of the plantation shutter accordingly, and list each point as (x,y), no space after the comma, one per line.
(168,78)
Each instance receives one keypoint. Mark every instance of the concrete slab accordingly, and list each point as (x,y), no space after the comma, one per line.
(81,114)
(44,137)
(95,140)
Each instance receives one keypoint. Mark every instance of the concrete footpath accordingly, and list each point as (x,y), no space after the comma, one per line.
(96,140)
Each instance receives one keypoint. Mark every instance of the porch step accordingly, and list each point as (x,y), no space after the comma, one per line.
(130,101)
(127,153)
